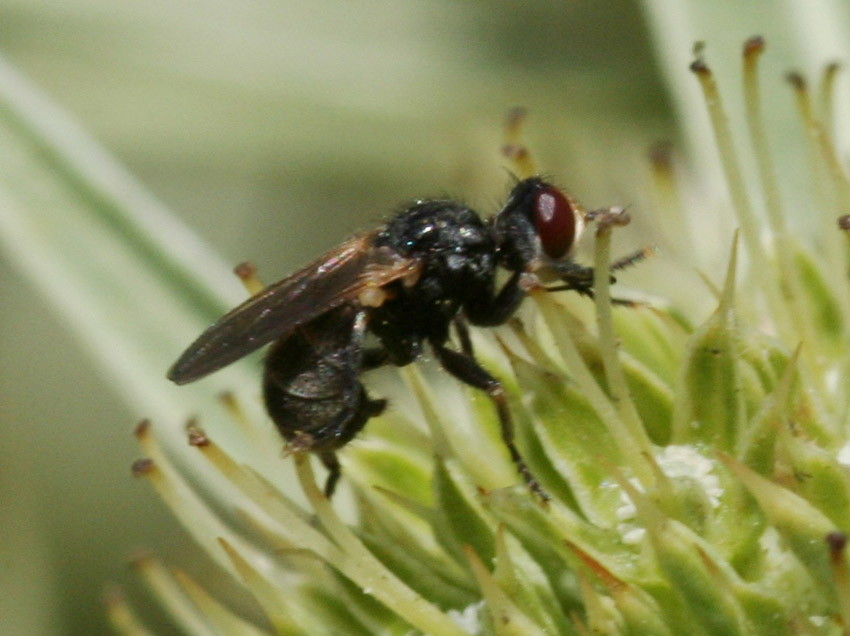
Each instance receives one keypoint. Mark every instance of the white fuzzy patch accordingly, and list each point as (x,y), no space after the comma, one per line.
(844,454)
(675,462)
(685,461)
(469,618)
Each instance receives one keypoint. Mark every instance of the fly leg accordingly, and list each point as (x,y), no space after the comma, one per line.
(463,335)
(496,310)
(579,278)
(367,409)
(466,369)
(331,462)
(575,277)
(373,358)
(312,386)
(357,361)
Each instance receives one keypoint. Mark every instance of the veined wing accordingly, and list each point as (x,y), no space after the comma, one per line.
(339,276)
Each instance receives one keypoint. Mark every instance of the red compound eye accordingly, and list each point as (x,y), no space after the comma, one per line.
(555,221)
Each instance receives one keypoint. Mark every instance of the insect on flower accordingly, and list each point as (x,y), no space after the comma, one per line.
(433,266)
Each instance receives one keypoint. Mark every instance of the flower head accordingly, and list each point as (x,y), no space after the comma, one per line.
(695,469)
(695,448)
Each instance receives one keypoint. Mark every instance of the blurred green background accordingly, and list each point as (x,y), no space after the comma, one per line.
(274,129)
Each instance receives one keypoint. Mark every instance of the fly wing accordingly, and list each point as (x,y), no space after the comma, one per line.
(336,278)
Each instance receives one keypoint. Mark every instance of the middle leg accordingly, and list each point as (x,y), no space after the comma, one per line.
(466,369)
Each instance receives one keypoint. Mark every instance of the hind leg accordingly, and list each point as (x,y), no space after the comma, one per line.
(331,462)
(367,409)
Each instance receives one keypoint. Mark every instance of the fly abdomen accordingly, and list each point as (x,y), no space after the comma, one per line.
(311,386)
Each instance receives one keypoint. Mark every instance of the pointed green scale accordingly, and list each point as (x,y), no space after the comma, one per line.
(397,468)
(523,582)
(802,525)
(822,480)
(652,336)
(457,521)
(821,303)
(708,401)
(678,553)
(429,572)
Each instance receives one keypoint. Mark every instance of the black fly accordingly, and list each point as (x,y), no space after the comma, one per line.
(432,266)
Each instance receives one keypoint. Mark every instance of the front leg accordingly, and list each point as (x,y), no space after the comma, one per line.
(580,278)
(574,276)
(495,310)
